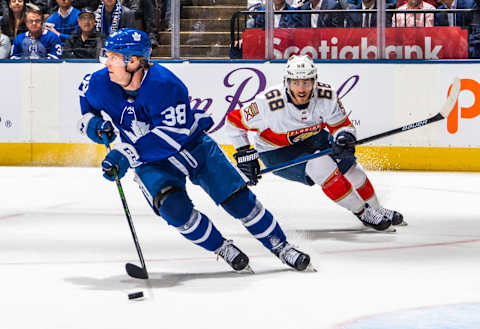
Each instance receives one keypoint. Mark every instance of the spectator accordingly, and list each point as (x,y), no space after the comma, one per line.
(367,19)
(3,8)
(4,45)
(111,16)
(79,4)
(13,23)
(85,43)
(36,42)
(145,11)
(414,20)
(320,20)
(388,3)
(434,3)
(65,21)
(457,19)
(166,13)
(474,35)
(279,20)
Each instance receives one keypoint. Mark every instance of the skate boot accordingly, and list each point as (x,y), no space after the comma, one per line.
(372,217)
(292,257)
(394,216)
(233,256)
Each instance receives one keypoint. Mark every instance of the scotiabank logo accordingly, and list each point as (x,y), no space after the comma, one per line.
(467,112)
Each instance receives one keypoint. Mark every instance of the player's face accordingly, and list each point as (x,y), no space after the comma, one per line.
(301,90)
(116,67)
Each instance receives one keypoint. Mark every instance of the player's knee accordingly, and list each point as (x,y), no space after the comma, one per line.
(173,204)
(345,164)
(241,203)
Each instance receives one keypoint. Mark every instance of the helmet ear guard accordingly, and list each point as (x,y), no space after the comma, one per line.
(300,67)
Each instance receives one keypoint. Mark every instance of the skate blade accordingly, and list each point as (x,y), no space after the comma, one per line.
(404,223)
(310,269)
(246,270)
(372,230)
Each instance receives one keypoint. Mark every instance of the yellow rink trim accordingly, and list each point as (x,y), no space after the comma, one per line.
(371,157)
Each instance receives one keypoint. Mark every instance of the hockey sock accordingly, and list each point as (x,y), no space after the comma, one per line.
(323,171)
(200,230)
(357,176)
(244,206)
(178,211)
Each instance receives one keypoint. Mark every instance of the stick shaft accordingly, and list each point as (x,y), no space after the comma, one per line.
(126,210)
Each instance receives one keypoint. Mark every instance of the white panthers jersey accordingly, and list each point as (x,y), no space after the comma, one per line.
(278,122)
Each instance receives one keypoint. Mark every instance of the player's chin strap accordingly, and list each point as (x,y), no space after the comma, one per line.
(132,73)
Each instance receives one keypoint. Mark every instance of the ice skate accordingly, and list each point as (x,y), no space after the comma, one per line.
(394,216)
(293,257)
(234,257)
(373,218)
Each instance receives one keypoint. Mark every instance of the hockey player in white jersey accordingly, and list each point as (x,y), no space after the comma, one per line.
(289,122)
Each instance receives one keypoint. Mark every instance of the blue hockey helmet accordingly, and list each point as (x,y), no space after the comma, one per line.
(128,42)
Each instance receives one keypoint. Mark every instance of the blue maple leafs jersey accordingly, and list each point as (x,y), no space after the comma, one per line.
(47,46)
(158,122)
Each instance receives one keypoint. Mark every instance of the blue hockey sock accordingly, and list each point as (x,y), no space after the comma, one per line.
(178,211)
(200,230)
(256,219)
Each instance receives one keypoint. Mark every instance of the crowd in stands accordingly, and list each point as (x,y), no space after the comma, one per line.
(343,18)
(55,29)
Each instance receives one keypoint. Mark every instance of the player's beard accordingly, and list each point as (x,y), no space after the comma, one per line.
(302,100)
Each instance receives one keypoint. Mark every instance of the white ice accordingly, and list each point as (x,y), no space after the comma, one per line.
(64,241)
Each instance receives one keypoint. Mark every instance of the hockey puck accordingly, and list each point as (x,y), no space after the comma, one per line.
(135,295)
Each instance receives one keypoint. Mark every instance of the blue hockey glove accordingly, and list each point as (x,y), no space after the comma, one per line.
(94,126)
(344,145)
(118,160)
(115,162)
(247,162)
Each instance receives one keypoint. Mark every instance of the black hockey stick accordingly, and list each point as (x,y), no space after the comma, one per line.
(133,270)
(442,114)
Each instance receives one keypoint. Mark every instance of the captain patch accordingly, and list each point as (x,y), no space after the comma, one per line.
(251,111)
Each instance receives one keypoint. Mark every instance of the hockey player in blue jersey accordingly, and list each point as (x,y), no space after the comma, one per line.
(164,141)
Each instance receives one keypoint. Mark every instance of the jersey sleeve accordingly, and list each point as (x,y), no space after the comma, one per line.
(16,51)
(242,120)
(86,96)
(336,118)
(55,47)
(173,123)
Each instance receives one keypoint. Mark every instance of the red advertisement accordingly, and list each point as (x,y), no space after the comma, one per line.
(342,43)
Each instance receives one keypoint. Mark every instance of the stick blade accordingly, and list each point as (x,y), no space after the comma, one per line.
(136,272)
(451,99)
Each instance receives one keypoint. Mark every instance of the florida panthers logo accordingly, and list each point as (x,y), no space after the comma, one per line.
(132,127)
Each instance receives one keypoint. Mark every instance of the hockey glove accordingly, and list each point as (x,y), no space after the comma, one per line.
(247,162)
(118,160)
(344,145)
(94,126)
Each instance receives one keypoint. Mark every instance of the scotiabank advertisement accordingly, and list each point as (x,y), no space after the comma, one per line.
(338,43)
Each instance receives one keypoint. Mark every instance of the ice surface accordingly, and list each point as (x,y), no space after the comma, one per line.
(64,242)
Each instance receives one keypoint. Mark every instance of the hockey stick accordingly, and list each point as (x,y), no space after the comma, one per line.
(132,270)
(442,114)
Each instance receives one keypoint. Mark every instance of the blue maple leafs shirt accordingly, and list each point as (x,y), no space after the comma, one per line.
(158,122)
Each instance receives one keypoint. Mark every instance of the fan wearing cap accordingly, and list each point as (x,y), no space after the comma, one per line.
(86,42)
(165,141)
(289,121)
